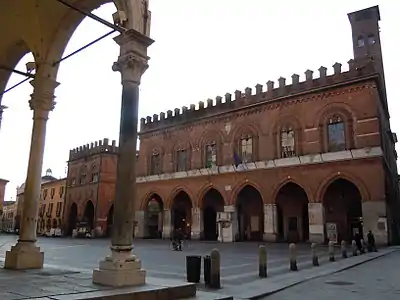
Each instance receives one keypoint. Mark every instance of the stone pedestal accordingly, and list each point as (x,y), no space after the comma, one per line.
(140,228)
(316,222)
(167,224)
(374,219)
(270,223)
(227,233)
(197,223)
(24,256)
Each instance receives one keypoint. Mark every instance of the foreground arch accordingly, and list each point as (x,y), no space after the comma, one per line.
(154,217)
(47,28)
(212,203)
(182,213)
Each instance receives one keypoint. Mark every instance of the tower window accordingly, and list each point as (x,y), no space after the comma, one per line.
(360,42)
(371,39)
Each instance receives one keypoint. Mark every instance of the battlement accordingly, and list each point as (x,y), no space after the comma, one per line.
(101,146)
(357,70)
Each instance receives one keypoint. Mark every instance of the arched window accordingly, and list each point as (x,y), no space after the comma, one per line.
(246,149)
(181,160)
(336,134)
(287,142)
(360,42)
(155,163)
(82,179)
(371,39)
(210,155)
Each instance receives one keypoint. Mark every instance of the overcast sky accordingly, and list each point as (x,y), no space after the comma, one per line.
(203,48)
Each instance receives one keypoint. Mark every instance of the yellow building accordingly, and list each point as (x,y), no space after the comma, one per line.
(51,209)
(8,216)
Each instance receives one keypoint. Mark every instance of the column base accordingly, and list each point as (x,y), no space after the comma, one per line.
(317,238)
(269,237)
(118,273)
(24,256)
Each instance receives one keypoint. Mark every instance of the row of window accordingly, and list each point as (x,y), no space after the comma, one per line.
(49,210)
(83,179)
(245,148)
(53,192)
(369,40)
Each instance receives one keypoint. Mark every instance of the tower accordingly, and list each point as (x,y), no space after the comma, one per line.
(366,40)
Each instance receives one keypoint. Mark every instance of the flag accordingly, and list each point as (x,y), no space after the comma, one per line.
(237,160)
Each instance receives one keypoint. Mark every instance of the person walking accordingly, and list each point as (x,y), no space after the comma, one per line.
(371,242)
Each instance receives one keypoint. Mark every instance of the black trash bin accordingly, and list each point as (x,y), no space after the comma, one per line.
(207,269)
(193,268)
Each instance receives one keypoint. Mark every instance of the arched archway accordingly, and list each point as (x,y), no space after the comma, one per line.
(250,214)
(110,220)
(213,202)
(343,210)
(182,213)
(72,218)
(292,211)
(154,216)
(88,215)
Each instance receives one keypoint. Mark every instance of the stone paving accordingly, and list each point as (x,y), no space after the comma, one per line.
(377,279)
(69,263)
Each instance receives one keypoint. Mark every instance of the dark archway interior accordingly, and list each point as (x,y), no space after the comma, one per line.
(213,202)
(110,220)
(343,207)
(55,223)
(154,215)
(250,212)
(182,213)
(88,216)
(72,218)
(292,213)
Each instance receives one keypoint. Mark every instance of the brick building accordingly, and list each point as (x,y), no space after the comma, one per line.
(308,160)
(90,187)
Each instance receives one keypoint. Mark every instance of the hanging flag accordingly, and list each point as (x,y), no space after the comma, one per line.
(237,160)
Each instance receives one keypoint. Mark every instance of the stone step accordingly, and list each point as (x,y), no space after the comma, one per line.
(209,296)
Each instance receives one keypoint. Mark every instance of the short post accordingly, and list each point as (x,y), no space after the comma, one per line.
(314,254)
(215,278)
(362,250)
(262,261)
(354,247)
(343,249)
(331,251)
(292,257)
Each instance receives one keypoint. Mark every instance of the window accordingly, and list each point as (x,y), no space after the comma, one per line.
(211,155)
(181,160)
(287,142)
(45,194)
(61,190)
(95,177)
(58,209)
(360,42)
(336,134)
(82,179)
(371,40)
(155,164)
(52,192)
(246,149)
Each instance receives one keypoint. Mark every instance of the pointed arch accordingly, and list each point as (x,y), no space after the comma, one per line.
(205,189)
(211,145)
(175,192)
(238,188)
(287,133)
(289,179)
(245,141)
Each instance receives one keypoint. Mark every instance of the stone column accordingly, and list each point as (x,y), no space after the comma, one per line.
(374,219)
(270,223)
(25,254)
(316,222)
(167,224)
(140,228)
(122,268)
(197,220)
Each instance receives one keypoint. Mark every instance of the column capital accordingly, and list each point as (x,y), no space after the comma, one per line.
(131,67)
(42,97)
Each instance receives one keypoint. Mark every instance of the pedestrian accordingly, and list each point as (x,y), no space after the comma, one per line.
(357,239)
(371,242)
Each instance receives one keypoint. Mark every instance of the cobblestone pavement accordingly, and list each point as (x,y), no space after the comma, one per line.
(239,262)
(374,280)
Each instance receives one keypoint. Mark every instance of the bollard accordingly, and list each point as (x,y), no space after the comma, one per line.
(362,250)
(331,251)
(354,247)
(262,261)
(215,278)
(314,254)
(292,257)
(343,249)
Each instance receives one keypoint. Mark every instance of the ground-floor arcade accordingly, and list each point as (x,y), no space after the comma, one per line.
(332,205)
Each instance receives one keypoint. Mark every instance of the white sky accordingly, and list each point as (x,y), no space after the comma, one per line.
(203,48)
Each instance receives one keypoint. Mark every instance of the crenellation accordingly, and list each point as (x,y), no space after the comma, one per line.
(357,69)
(259,89)
(85,151)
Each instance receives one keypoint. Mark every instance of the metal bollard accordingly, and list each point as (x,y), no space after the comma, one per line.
(262,261)
(314,254)
(343,249)
(354,247)
(331,251)
(292,257)
(215,278)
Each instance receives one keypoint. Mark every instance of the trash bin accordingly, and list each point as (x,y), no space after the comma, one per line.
(193,268)
(207,269)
